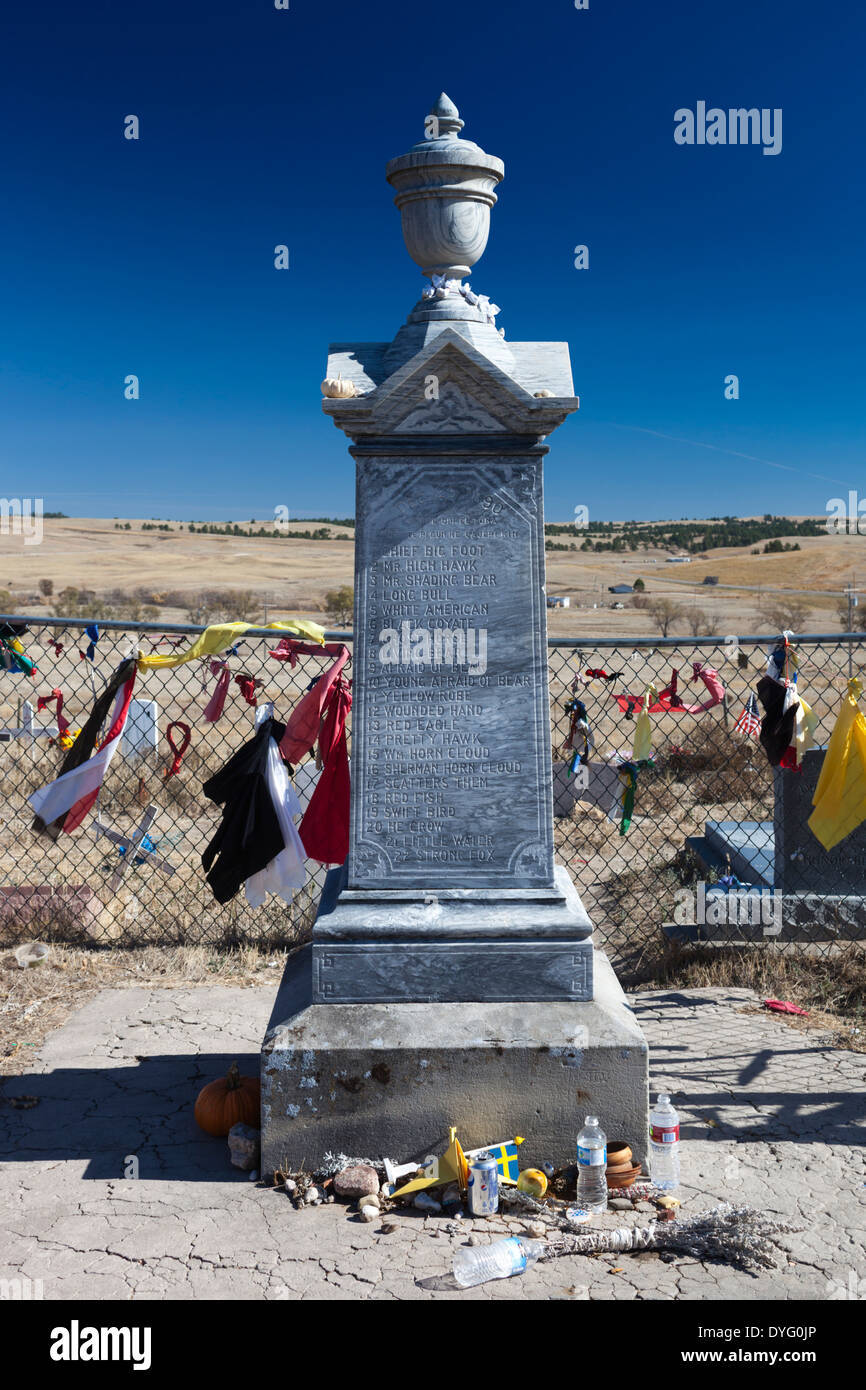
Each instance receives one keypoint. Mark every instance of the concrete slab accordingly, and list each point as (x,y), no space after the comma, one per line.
(770,1116)
(393,1077)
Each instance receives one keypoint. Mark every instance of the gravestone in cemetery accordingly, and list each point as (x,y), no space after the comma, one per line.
(451,978)
(821,893)
(141,731)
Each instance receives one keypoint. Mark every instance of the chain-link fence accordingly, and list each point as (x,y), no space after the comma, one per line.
(717,850)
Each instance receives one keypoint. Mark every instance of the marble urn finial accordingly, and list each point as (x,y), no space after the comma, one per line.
(444,190)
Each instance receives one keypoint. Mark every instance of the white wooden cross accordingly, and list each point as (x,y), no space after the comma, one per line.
(132,845)
(28,728)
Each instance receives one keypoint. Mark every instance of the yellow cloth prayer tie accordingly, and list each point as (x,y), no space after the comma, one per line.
(840,796)
(219,637)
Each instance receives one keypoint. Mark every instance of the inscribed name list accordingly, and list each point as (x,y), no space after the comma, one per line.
(451,754)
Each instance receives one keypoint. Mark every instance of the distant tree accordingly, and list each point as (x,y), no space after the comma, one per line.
(339,604)
(700,624)
(223,606)
(638,586)
(665,613)
(858,616)
(46,587)
(778,613)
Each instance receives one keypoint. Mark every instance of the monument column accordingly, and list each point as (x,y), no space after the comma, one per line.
(449,925)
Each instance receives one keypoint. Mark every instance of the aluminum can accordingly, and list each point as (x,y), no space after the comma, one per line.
(483,1187)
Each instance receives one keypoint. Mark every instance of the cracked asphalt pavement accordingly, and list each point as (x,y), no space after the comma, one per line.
(770,1116)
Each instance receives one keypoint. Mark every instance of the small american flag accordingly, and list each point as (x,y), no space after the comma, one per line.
(749,721)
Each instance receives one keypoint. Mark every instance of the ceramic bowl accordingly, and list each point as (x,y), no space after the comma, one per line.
(623,1177)
(618,1156)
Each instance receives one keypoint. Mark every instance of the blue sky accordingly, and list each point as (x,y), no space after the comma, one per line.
(261,127)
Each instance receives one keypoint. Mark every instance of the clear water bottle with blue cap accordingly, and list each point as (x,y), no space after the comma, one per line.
(592,1167)
(477,1264)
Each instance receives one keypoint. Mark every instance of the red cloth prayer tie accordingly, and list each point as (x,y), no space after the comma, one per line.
(669,699)
(289,649)
(302,728)
(285,651)
(247,686)
(215,705)
(56,699)
(324,830)
(177,751)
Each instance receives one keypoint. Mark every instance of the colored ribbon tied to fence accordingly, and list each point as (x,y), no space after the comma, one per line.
(177,749)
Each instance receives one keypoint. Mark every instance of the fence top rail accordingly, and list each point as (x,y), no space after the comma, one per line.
(193,630)
(127,625)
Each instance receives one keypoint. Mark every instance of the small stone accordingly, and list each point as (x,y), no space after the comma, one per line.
(254,1175)
(547,1169)
(369,1213)
(244,1146)
(620,1204)
(371,1200)
(386,1189)
(290,1185)
(312,1195)
(424,1202)
(536,1229)
(330,1198)
(359,1180)
(474,1239)
(389,1228)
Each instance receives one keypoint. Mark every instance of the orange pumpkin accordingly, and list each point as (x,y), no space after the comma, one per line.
(232,1100)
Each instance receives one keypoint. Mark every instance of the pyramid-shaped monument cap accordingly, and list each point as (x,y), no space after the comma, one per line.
(444,190)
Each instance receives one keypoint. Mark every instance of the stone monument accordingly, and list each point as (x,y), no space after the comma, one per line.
(451,977)
(820,894)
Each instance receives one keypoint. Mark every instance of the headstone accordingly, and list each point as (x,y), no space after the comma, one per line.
(141,731)
(450,895)
(801,864)
(821,894)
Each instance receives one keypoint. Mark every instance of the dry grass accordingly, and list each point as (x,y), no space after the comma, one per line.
(832,986)
(39,999)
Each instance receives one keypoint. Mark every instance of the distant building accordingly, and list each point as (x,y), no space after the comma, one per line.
(620,589)
(617,605)
(558,601)
(678,560)
(711,579)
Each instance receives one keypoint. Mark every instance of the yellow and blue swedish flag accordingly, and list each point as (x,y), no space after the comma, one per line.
(506,1160)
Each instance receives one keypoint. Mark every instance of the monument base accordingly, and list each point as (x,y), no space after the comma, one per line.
(456,945)
(377,1080)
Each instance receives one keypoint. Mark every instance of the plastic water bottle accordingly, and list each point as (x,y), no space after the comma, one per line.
(664,1146)
(476,1264)
(592,1167)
